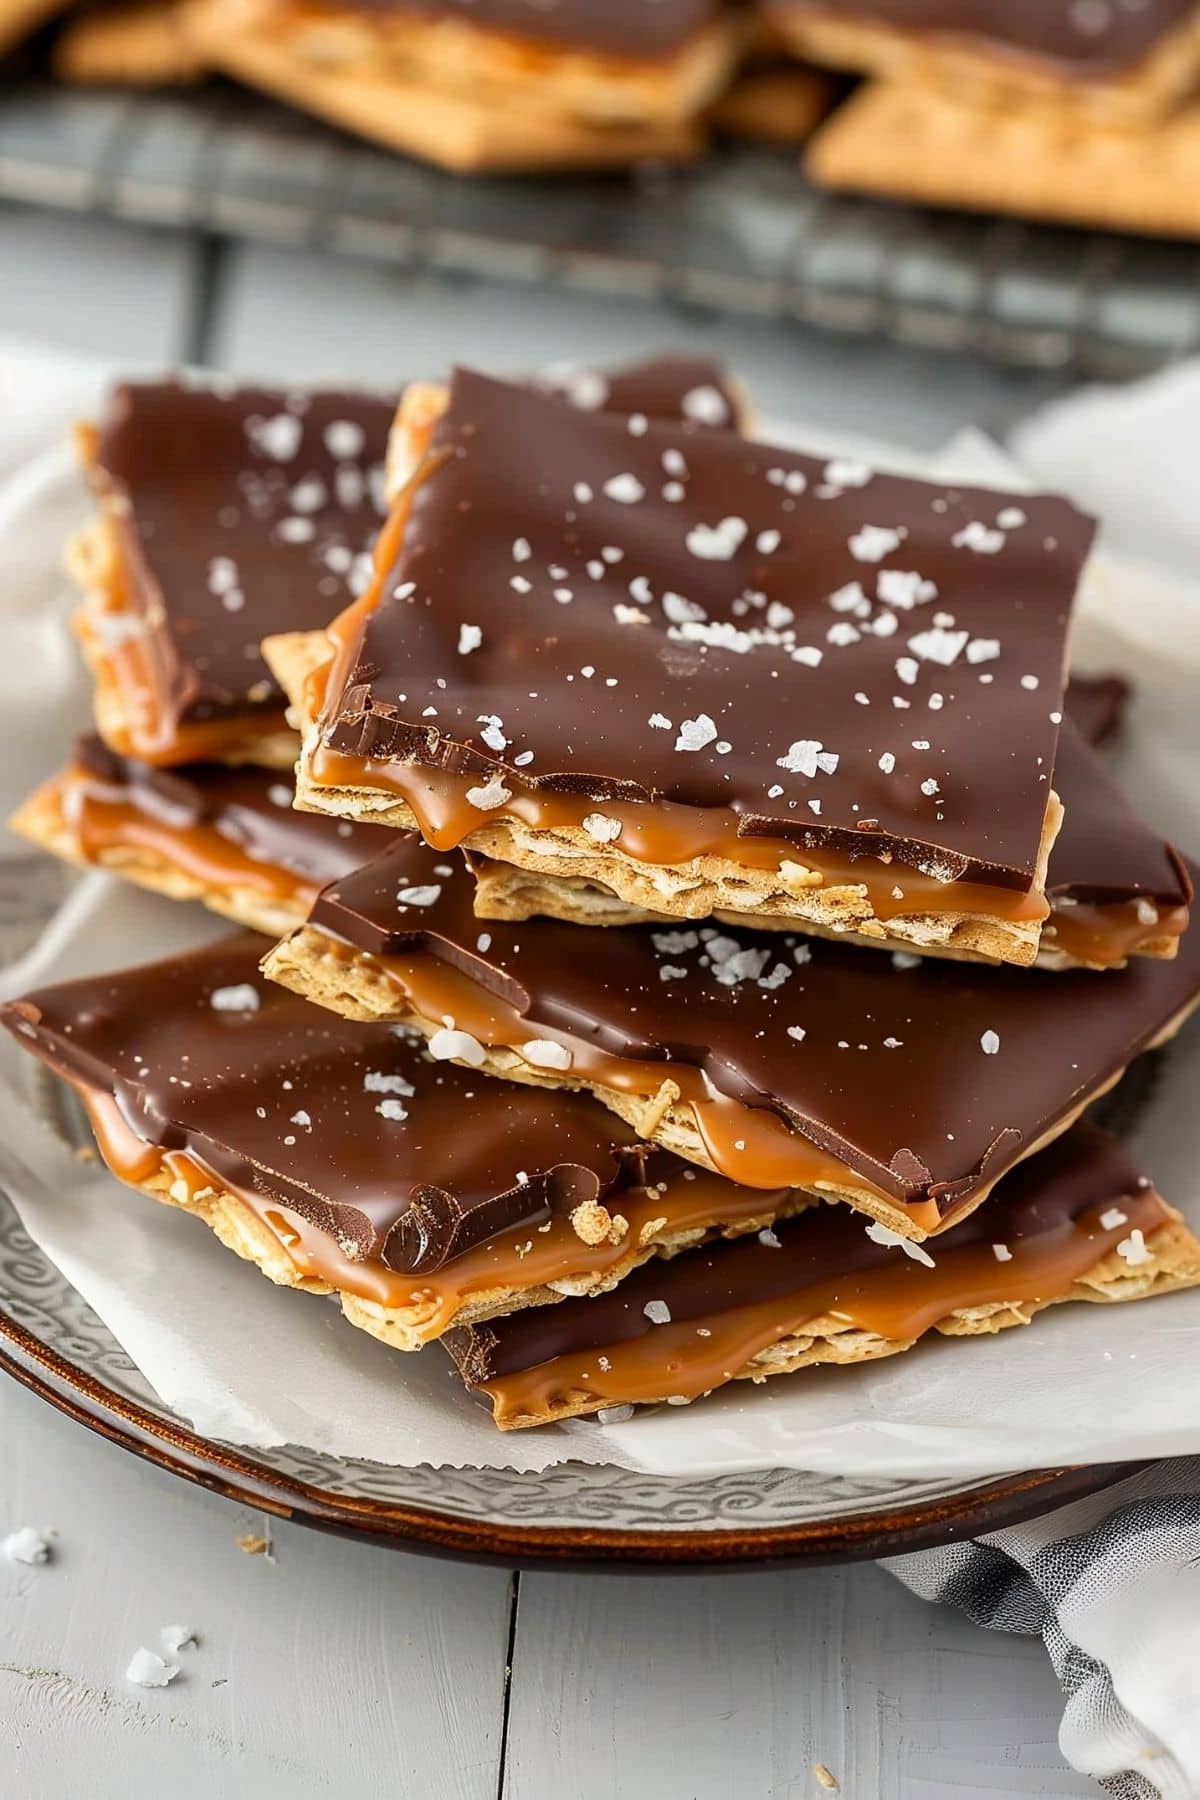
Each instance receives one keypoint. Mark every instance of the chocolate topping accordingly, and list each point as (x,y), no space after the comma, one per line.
(251,511)
(624,28)
(924,1079)
(1096,706)
(350,1125)
(1082,1170)
(250,807)
(838,657)
(678,387)
(246,511)
(1080,40)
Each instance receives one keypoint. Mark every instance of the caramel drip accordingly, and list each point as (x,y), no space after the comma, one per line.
(899,1302)
(661,833)
(1103,936)
(529,1256)
(747,1144)
(104,823)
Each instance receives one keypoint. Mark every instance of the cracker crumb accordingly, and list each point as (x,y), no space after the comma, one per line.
(594,1224)
(650,1230)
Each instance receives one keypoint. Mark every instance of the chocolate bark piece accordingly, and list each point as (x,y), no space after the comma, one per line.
(230,514)
(1115,889)
(1110,875)
(351,1126)
(1096,706)
(1075,1221)
(227,513)
(691,619)
(341,1158)
(227,835)
(921,1081)
(1076,42)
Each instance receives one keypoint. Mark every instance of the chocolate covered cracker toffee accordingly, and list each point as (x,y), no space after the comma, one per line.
(1075,68)
(224,834)
(1081,42)
(518,84)
(227,513)
(1075,1222)
(342,1157)
(709,674)
(1114,888)
(906,1086)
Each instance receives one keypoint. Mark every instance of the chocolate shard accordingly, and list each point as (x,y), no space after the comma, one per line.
(924,1078)
(665,1329)
(401,1158)
(656,635)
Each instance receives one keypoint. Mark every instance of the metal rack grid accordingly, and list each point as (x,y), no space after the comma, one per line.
(743,232)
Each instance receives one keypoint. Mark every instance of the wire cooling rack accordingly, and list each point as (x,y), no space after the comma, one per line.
(743,232)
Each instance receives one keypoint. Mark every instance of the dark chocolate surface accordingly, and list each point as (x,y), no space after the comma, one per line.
(1080,39)
(1096,706)
(890,1072)
(634,28)
(1103,852)
(1083,1169)
(291,1102)
(620,628)
(251,807)
(662,387)
(250,512)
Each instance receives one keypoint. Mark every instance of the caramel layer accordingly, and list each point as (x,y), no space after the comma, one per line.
(530,1256)
(1102,937)
(665,833)
(104,824)
(897,1302)
(746,1144)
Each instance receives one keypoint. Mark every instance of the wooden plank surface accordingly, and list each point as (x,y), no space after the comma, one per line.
(336,1669)
(721,1686)
(340,1670)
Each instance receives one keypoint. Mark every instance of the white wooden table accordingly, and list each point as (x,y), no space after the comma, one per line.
(336,1670)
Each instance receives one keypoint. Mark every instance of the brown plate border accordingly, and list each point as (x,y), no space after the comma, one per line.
(227,1471)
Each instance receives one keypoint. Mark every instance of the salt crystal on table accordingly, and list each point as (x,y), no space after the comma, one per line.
(26,1545)
(147,1669)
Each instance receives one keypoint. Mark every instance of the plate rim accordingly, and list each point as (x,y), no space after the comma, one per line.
(233,1473)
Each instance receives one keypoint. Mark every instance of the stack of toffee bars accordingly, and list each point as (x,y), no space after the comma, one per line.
(699,924)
